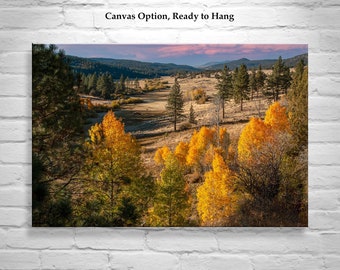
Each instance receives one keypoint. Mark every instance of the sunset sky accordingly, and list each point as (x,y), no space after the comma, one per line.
(190,54)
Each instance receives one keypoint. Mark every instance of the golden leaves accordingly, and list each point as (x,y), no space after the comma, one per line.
(215,196)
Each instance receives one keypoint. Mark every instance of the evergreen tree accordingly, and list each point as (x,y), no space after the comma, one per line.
(192,116)
(171,201)
(120,88)
(105,85)
(252,83)
(240,84)
(224,87)
(56,132)
(84,84)
(260,79)
(280,78)
(175,103)
(92,84)
(298,106)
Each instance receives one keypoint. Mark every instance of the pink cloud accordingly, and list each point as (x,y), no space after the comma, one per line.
(212,49)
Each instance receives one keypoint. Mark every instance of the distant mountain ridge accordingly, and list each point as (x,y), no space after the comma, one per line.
(265,63)
(129,68)
(138,69)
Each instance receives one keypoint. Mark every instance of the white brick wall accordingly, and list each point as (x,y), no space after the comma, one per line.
(314,22)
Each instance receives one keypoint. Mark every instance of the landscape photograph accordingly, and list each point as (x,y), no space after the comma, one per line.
(169,135)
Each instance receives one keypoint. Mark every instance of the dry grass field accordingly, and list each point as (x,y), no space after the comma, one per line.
(149,123)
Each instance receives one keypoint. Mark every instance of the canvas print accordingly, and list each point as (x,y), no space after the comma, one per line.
(170,135)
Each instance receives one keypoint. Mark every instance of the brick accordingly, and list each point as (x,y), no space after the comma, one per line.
(73,260)
(2,239)
(74,36)
(282,35)
(32,18)
(214,261)
(14,107)
(15,131)
(329,41)
(327,18)
(325,86)
(275,241)
(324,63)
(330,243)
(332,262)
(13,217)
(324,108)
(17,3)
(21,260)
(93,3)
(79,18)
(16,63)
(324,132)
(321,220)
(286,262)
(15,196)
(40,238)
(179,240)
(324,199)
(13,85)
(143,260)
(15,153)
(118,239)
(322,177)
(14,174)
(295,17)
(324,154)
(203,35)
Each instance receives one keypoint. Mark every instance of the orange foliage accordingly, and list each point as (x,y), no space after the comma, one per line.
(215,196)
(276,117)
(258,134)
(253,135)
(111,144)
(113,129)
(161,155)
(203,144)
(181,152)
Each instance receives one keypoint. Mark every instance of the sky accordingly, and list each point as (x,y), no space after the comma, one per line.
(187,54)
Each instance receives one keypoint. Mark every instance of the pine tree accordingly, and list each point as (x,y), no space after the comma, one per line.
(240,84)
(260,79)
(92,83)
(252,83)
(171,201)
(224,87)
(280,78)
(121,87)
(192,116)
(56,132)
(298,106)
(175,103)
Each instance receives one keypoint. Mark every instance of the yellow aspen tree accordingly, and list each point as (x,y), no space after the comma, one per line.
(161,155)
(113,163)
(252,137)
(181,152)
(276,117)
(216,201)
(199,144)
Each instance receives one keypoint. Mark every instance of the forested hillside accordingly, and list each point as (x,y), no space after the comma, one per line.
(128,68)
